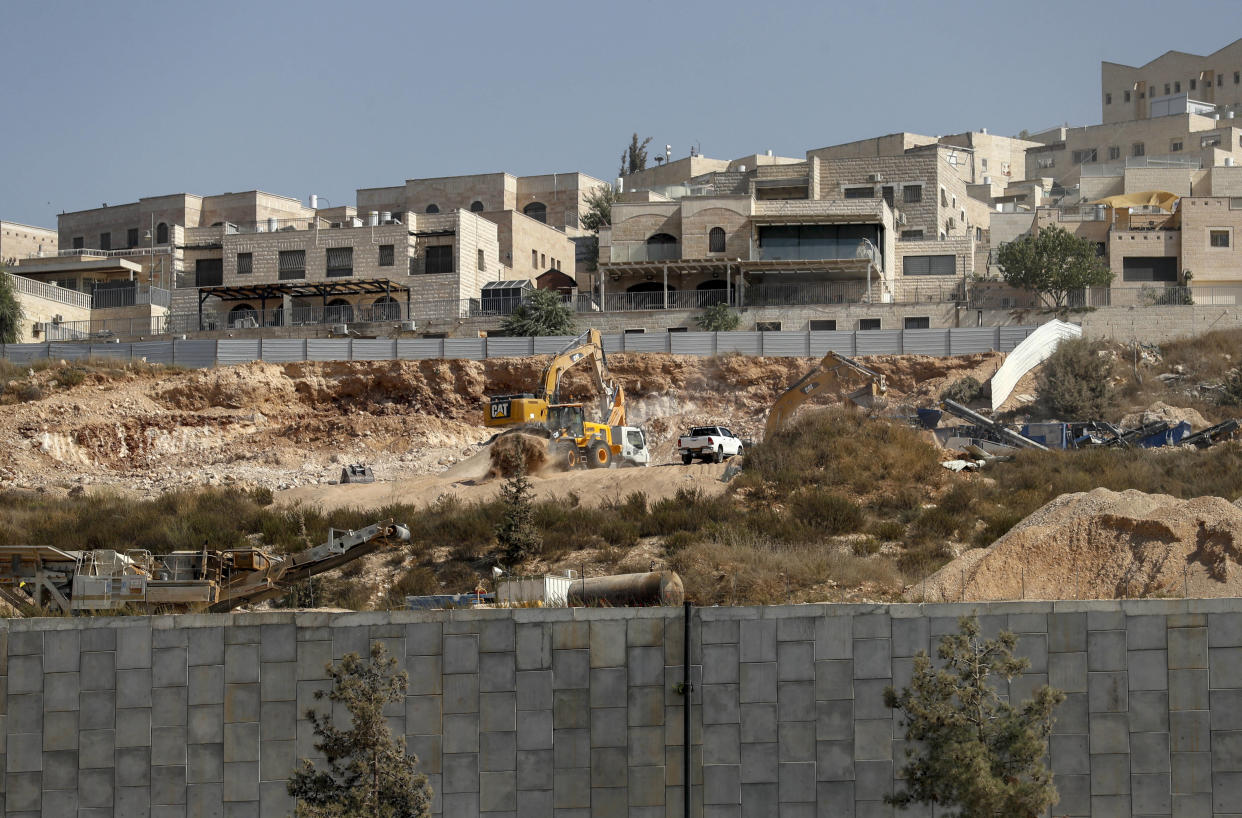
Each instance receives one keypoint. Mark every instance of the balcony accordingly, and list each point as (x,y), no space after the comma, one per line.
(641,251)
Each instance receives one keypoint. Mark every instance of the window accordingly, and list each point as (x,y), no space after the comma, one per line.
(716,240)
(1163,268)
(1220,80)
(537,211)
(860,193)
(1085,155)
(387,255)
(543,260)
(105,241)
(79,242)
(476,206)
(1045,162)
(635,331)
(1192,85)
(1166,89)
(245,263)
(291,264)
(944,198)
(161,233)
(339,261)
(1108,99)
(928,265)
(1101,249)
(767,326)
(888,194)
(1218,238)
(131,237)
(1138,149)
(911,235)
(868,323)
(209,272)
(433,208)
(1212,140)
(983,165)
(1175,146)
(1114,153)
(534,259)
(1127,96)
(677,329)
(822,325)
(439,259)
(978,234)
(912,194)
(1177,87)
(1237,77)
(482,261)
(920,322)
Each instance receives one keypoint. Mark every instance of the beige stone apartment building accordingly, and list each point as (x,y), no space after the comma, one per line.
(18,241)
(1129,92)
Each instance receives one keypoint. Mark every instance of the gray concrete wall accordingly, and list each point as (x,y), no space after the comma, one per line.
(570,713)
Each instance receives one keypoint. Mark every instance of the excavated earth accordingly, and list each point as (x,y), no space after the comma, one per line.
(285,426)
(1103,544)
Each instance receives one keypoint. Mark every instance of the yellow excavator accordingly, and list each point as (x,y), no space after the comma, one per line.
(834,374)
(575,440)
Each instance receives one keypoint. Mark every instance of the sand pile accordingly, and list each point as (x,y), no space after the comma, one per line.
(517,448)
(1160,411)
(1103,544)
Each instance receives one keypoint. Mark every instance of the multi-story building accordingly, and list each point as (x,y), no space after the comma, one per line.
(1130,92)
(538,216)
(18,241)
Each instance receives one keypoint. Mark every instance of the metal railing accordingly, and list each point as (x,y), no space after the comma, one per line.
(111,297)
(638,251)
(813,252)
(49,292)
(158,250)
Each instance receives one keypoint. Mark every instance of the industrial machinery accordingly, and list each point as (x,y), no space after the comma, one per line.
(575,440)
(836,373)
(183,581)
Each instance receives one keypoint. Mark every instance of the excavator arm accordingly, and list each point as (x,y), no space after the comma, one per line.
(833,375)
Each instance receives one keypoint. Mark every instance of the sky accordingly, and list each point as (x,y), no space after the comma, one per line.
(110,102)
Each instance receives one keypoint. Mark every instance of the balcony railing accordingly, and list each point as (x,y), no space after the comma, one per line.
(111,297)
(49,292)
(630,251)
(817,251)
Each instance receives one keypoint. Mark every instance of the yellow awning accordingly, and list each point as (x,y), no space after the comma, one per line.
(1148,198)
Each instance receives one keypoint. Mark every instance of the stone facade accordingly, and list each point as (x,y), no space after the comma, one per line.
(578,712)
(1203,218)
(18,241)
(42,304)
(1126,91)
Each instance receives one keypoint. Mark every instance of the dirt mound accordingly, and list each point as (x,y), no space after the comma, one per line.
(1160,411)
(517,448)
(1103,544)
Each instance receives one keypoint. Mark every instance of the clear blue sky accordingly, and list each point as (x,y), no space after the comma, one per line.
(111,101)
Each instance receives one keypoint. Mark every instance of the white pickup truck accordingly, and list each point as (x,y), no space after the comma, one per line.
(713,443)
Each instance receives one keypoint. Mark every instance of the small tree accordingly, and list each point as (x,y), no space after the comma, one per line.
(1076,382)
(634,157)
(718,318)
(11,313)
(975,752)
(1053,264)
(517,534)
(369,772)
(599,202)
(542,313)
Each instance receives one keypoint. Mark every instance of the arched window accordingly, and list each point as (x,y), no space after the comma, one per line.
(716,240)
(662,247)
(339,311)
(433,208)
(161,233)
(476,206)
(537,211)
(243,315)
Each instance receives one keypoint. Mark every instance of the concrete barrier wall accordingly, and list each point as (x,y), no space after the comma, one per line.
(577,712)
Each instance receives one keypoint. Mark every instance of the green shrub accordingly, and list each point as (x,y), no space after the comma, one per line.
(718,318)
(963,390)
(827,511)
(888,530)
(1231,395)
(1076,381)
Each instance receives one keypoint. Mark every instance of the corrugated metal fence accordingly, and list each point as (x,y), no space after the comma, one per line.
(206,353)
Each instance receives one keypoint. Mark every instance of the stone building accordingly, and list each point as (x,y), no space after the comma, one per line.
(18,241)
(1129,92)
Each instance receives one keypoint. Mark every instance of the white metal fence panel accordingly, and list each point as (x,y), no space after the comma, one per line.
(194,354)
(969,340)
(878,342)
(692,343)
(838,341)
(70,352)
(746,343)
(553,344)
(237,351)
(469,348)
(153,352)
(374,349)
(612,343)
(420,348)
(646,342)
(785,344)
(20,354)
(925,341)
(114,351)
(283,350)
(510,347)
(1010,337)
(327,349)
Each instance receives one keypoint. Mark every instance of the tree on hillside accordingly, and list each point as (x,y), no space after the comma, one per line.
(599,203)
(634,157)
(974,751)
(1053,264)
(516,534)
(11,313)
(1077,380)
(542,313)
(369,773)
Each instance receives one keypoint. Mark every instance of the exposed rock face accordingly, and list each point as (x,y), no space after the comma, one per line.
(1103,544)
